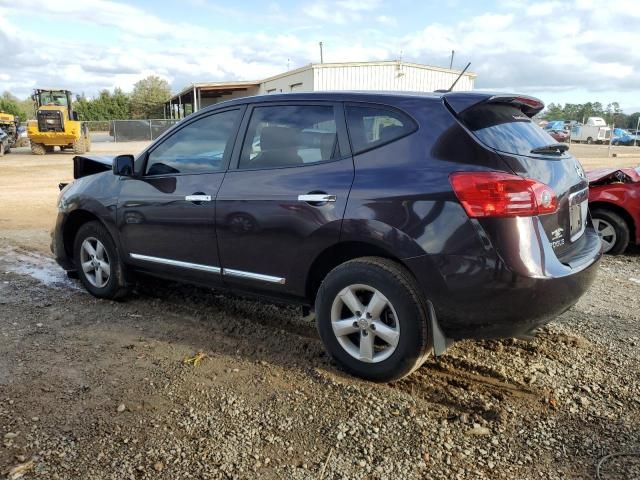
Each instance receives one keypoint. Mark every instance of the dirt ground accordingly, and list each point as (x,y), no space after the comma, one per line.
(100,390)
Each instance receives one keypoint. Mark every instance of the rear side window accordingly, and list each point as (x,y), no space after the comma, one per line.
(373,126)
(505,128)
(292,135)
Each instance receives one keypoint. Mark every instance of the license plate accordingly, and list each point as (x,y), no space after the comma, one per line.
(578,207)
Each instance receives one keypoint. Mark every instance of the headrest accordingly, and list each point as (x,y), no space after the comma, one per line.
(389,132)
(272,138)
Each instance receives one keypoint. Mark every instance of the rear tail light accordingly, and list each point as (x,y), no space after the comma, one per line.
(495,194)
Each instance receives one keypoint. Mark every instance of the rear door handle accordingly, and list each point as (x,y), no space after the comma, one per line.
(317,198)
(198,198)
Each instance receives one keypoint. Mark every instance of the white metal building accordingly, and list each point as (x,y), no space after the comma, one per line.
(389,76)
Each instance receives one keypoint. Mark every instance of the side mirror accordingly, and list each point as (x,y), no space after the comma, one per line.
(123,165)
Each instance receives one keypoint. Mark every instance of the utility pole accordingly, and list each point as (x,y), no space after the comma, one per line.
(321,57)
(613,125)
(453,52)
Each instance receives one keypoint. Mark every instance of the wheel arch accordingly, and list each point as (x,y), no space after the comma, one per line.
(337,254)
(75,220)
(612,207)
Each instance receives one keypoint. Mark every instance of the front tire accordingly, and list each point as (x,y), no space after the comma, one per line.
(372,319)
(79,146)
(38,149)
(613,231)
(98,262)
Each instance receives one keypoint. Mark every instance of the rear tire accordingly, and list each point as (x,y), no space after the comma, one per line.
(613,230)
(79,146)
(589,141)
(98,262)
(392,321)
(38,149)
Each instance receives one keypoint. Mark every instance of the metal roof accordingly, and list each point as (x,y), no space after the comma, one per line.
(215,86)
(246,84)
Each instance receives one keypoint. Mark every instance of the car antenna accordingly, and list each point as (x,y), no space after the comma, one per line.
(456,81)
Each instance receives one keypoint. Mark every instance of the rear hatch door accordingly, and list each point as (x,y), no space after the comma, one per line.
(504,125)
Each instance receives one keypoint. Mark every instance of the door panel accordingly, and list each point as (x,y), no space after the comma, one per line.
(267,235)
(166,216)
(264,229)
(157,221)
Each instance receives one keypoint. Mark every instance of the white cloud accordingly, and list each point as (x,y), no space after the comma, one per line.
(533,49)
(359,5)
(525,46)
(386,20)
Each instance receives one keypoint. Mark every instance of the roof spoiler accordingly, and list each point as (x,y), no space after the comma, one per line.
(526,104)
(529,105)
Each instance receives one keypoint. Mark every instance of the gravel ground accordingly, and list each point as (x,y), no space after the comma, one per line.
(100,390)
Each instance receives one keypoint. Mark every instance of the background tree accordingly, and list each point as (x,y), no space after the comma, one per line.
(148,97)
(632,120)
(10,104)
(580,112)
(106,106)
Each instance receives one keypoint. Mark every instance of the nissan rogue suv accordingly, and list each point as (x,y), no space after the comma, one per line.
(406,221)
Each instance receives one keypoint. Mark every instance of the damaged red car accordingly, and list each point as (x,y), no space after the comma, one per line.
(614,201)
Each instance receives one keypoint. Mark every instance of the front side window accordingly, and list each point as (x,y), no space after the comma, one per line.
(295,135)
(197,148)
(372,126)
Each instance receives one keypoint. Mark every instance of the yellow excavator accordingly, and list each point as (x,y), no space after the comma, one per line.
(9,125)
(56,124)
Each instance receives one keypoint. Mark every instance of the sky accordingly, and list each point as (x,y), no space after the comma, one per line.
(560,51)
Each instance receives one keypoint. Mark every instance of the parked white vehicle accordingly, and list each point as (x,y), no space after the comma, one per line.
(594,131)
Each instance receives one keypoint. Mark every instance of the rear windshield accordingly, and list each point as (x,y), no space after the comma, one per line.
(505,128)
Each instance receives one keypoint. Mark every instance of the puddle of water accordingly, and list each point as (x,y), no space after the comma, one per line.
(37,266)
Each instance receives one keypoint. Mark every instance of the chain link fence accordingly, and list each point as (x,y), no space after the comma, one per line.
(128,130)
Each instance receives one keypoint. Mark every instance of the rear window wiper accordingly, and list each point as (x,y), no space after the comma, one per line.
(557,148)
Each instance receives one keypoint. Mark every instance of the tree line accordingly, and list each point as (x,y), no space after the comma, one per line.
(612,113)
(146,100)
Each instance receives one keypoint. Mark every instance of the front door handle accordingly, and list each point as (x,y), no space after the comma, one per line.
(317,198)
(198,198)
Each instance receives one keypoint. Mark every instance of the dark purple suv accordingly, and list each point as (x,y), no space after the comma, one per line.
(405,220)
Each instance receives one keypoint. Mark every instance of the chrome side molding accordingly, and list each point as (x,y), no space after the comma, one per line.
(176,263)
(209,268)
(253,276)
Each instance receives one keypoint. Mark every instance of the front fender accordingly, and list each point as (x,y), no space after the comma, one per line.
(96,195)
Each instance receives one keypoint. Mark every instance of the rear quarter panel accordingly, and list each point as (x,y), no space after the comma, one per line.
(401,197)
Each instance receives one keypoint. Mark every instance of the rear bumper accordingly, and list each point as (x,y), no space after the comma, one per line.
(506,295)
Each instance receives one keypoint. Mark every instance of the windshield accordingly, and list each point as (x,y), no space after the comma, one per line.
(505,128)
(53,98)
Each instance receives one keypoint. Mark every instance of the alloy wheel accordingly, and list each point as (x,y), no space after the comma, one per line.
(607,233)
(95,262)
(365,323)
